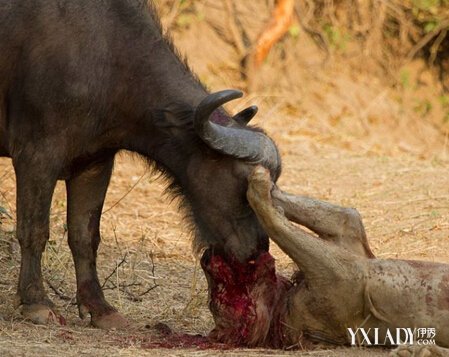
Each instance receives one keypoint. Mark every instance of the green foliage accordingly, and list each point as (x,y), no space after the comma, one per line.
(337,38)
(435,214)
(185,20)
(444,101)
(432,6)
(187,14)
(4,212)
(429,26)
(429,13)
(423,107)
(293,31)
(404,78)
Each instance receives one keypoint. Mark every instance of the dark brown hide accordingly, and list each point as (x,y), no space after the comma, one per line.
(82,80)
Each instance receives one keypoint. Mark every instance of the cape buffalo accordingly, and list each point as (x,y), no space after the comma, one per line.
(81,80)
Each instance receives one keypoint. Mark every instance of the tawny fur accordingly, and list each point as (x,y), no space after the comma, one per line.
(344,285)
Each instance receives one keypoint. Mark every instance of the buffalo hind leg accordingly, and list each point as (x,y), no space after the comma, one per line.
(340,225)
(35,182)
(85,197)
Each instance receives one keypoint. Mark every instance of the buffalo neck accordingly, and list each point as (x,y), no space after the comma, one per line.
(154,95)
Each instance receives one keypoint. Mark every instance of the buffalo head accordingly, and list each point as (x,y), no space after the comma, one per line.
(218,178)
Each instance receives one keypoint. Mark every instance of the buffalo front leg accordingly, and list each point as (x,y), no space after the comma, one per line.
(35,185)
(340,225)
(85,197)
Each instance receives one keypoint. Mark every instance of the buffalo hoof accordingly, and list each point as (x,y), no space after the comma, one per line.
(42,314)
(419,351)
(113,320)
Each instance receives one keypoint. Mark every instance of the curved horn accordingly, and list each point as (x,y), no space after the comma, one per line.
(246,115)
(208,106)
(241,143)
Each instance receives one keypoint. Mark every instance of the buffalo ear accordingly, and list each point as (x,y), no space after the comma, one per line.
(244,117)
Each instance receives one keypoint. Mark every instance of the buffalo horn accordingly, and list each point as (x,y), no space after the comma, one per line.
(246,115)
(241,143)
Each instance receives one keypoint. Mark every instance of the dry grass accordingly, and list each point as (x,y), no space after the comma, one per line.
(403,201)
(345,136)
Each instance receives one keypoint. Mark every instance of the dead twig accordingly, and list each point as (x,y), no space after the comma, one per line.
(442,27)
(58,292)
(436,45)
(117,266)
(124,287)
(138,298)
(126,194)
(113,205)
(9,205)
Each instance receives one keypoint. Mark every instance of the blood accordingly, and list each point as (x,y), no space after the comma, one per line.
(90,295)
(165,338)
(246,299)
(62,321)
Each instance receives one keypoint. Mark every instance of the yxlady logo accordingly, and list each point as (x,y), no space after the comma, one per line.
(398,336)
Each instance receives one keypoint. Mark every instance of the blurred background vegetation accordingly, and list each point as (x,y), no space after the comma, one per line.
(361,62)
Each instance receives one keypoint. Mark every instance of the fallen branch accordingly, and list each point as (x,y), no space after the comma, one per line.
(281,19)
(426,39)
(124,287)
(58,292)
(123,261)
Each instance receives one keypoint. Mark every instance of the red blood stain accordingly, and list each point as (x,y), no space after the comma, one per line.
(185,341)
(62,321)
(91,296)
(246,300)
(65,335)
(173,340)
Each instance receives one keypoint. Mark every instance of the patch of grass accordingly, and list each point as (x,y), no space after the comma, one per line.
(294,31)
(423,107)
(337,37)
(404,78)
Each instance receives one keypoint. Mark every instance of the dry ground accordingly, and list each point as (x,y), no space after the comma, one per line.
(345,137)
(404,202)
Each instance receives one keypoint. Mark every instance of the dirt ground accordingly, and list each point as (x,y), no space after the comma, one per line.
(403,200)
(345,137)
